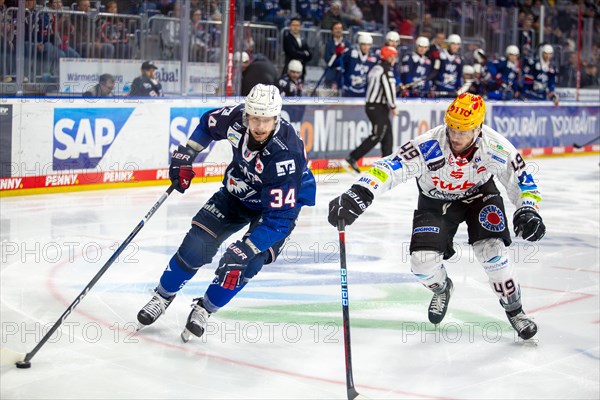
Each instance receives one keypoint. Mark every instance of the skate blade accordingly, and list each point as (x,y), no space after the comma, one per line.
(140,327)
(186,335)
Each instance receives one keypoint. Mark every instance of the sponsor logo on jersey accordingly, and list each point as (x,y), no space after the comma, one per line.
(439,183)
(369,182)
(82,136)
(430,149)
(395,163)
(498,148)
(481,169)
(379,174)
(286,167)
(234,137)
(495,157)
(492,218)
(434,166)
(457,174)
(211,208)
(426,229)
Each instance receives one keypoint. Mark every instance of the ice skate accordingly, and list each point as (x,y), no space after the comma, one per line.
(439,303)
(153,309)
(350,165)
(196,322)
(525,327)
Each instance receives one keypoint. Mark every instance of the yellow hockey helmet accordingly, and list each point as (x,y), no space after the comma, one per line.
(466,112)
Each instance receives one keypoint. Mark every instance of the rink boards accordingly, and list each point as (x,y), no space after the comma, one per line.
(61,144)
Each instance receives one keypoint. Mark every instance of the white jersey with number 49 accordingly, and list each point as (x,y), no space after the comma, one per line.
(442,175)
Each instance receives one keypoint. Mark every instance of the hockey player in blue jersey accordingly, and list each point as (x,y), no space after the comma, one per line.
(416,67)
(265,186)
(504,76)
(356,64)
(539,77)
(448,79)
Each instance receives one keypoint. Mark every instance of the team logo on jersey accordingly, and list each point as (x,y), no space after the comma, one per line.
(212,121)
(286,167)
(259,166)
(82,136)
(492,218)
(238,187)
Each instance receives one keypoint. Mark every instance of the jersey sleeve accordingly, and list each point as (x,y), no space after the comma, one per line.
(282,182)
(513,174)
(388,172)
(214,125)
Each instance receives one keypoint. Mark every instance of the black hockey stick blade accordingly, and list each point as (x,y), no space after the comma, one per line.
(580,146)
(26,362)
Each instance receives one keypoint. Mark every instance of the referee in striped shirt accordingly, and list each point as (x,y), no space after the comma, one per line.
(381,96)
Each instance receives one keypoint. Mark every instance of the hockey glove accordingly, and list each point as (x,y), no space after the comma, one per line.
(180,171)
(349,205)
(528,224)
(230,272)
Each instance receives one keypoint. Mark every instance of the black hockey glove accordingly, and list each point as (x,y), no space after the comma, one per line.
(232,265)
(349,205)
(528,224)
(180,171)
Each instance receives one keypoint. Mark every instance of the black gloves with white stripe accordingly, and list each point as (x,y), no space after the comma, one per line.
(528,224)
(349,205)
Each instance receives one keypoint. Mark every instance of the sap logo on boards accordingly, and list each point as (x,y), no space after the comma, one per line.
(82,136)
(182,123)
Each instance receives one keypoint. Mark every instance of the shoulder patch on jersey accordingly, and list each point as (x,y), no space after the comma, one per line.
(378,173)
(233,136)
(286,167)
(498,148)
(430,149)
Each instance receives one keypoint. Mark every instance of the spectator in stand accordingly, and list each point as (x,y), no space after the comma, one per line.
(526,34)
(62,30)
(169,35)
(7,46)
(334,14)
(539,76)
(260,70)
(104,88)
(356,64)
(406,25)
(352,14)
(312,10)
(425,26)
(290,84)
(88,43)
(146,85)
(274,13)
(568,73)
(590,77)
(334,49)
(199,41)
(294,47)
(113,30)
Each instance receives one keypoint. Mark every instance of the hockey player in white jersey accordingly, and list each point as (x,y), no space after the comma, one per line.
(454,165)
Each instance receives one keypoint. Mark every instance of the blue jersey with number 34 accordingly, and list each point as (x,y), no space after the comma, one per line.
(276,180)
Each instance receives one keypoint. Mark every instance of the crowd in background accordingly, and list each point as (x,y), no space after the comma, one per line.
(348,53)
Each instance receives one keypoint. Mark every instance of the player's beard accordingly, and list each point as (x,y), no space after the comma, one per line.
(255,145)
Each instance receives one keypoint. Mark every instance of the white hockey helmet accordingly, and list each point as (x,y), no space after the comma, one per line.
(547,49)
(454,39)
(392,36)
(479,56)
(422,41)
(295,66)
(468,70)
(263,101)
(364,38)
(512,50)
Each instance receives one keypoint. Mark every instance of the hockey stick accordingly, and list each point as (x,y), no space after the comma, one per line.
(329,64)
(579,146)
(26,362)
(352,393)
